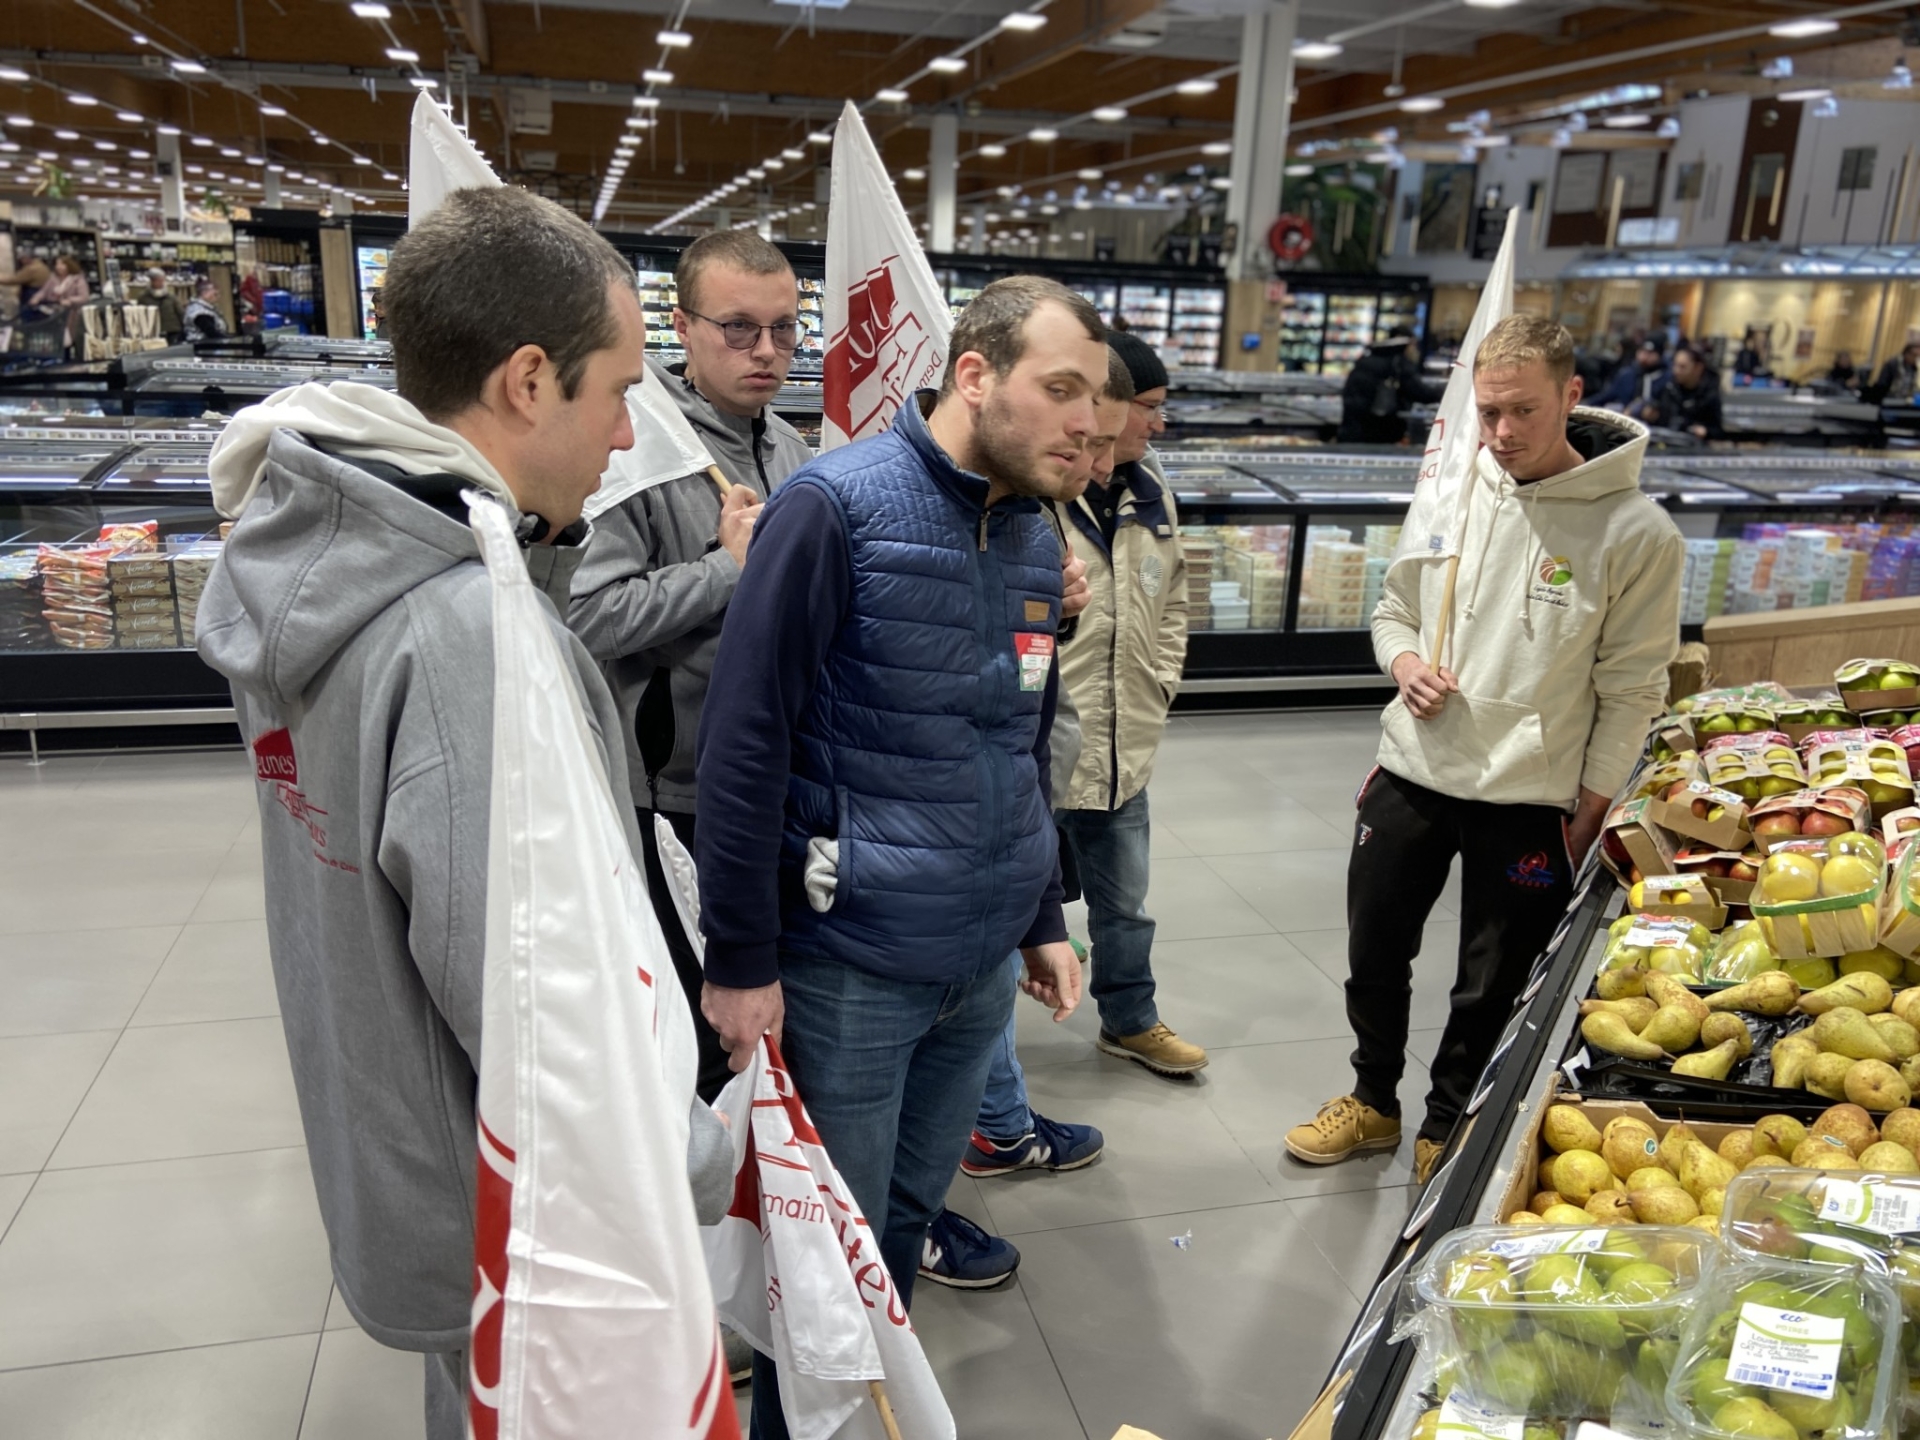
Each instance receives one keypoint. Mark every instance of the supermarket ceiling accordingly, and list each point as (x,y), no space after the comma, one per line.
(557,90)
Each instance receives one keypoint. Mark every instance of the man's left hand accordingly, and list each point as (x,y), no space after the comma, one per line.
(1075,593)
(1053,977)
(1583,826)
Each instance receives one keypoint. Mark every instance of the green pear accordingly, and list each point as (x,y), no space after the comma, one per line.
(1513,1378)
(1880,960)
(1583,1379)
(1827,1076)
(1863,991)
(1701,1170)
(1751,1415)
(1565,1128)
(1773,992)
(1639,1283)
(1778,1134)
(1815,1417)
(1557,1277)
(1653,1364)
(1482,1286)
(1616,1252)
(1714,1064)
(1900,1037)
(1811,973)
(1791,1057)
(1874,1085)
(1708,1387)
(1844,1030)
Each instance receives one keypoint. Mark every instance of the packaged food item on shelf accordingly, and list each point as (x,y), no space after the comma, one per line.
(1740,952)
(22,625)
(1674,945)
(1754,766)
(137,536)
(1859,759)
(1632,845)
(1701,811)
(1683,769)
(1879,685)
(1542,1324)
(1773,1348)
(1821,896)
(1816,813)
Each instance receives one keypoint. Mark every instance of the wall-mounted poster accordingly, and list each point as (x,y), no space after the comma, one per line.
(1576,188)
(1446,208)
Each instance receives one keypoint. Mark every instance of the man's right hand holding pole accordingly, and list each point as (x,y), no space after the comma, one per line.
(1423,688)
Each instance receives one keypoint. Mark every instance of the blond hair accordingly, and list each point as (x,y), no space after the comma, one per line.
(1522,339)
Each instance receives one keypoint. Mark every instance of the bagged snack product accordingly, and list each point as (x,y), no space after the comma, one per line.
(22,626)
(1672,944)
(139,535)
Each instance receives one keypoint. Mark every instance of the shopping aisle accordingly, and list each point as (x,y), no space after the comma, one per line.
(162,1268)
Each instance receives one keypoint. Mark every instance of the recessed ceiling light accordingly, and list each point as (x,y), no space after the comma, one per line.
(1110,114)
(657,77)
(1022,20)
(1217,147)
(674,39)
(66,134)
(1042,135)
(946,65)
(13,73)
(1819,92)
(1197,87)
(129,117)
(892,95)
(1316,49)
(914,174)
(423,82)
(371,10)
(1626,122)
(1092,174)
(993,152)
(1803,29)
(403,55)
(1422,104)
(83,99)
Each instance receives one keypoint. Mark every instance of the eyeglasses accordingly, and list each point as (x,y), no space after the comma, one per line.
(744,334)
(1157,412)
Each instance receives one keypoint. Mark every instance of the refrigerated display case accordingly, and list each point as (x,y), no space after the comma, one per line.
(1327,323)
(373,238)
(281,250)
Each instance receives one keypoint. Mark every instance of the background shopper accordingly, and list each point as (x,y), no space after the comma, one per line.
(1382,387)
(1687,397)
(1568,612)
(352,614)
(172,324)
(203,318)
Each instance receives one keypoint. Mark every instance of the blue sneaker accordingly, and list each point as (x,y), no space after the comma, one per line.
(1049,1145)
(960,1254)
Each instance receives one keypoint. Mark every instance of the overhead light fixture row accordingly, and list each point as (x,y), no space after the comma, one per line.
(947,65)
(1022,20)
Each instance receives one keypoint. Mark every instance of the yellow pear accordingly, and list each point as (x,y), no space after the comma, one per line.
(1636,1010)
(1777,1135)
(1673,1028)
(1737,1148)
(1900,1037)
(1610,1207)
(1760,1161)
(1524,1217)
(1544,1201)
(1876,1086)
(1843,1030)
(1674,1144)
(1772,992)
(1664,1205)
(1714,1064)
(1827,1075)
(1565,1127)
(1849,1124)
(1790,1057)
(1663,989)
(1907,1005)
(1627,1145)
(1609,1032)
(1902,1127)
(1578,1174)
(1620,984)
(1889,1157)
(1701,1170)
(1720,1028)
(1651,1177)
(1713,1201)
(1863,991)
(1709,1223)
(1910,1072)
(1567,1215)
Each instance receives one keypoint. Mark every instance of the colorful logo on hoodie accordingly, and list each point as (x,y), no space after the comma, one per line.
(1533,872)
(1556,572)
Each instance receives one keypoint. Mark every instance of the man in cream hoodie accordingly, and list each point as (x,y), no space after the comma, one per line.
(1507,754)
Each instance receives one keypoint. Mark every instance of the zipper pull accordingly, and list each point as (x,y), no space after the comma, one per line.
(983,532)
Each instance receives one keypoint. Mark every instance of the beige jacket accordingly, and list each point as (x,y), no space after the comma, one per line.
(1122,666)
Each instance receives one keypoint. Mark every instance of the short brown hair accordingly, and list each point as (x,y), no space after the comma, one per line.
(740,249)
(490,270)
(994,324)
(1119,379)
(1521,340)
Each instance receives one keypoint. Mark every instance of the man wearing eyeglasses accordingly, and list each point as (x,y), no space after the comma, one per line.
(652,592)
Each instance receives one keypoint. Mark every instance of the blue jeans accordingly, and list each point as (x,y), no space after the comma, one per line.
(891,1073)
(1110,848)
(1003,1109)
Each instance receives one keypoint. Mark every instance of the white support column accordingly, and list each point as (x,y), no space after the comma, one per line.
(722,218)
(943,177)
(763,208)
(976,229)
(1263,99)
(342,203)
(173,190)
(270,192)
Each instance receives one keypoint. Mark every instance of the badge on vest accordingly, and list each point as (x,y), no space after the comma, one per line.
(1038,611)
(1036,657)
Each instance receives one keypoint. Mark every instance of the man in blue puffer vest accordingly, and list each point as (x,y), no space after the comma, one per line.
(875,832)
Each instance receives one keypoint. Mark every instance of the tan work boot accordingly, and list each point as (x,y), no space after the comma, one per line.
(1426,1158)
(1343,1127)
(1159,1049)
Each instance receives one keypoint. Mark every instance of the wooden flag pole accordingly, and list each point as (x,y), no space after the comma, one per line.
(724,484)
(887,1422)
(1446,611)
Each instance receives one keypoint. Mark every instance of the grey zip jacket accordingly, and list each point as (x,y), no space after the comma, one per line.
(650,595)
(353,616)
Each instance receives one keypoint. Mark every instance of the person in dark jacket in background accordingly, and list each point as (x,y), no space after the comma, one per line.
(1899,378)
(157,294)
(1382,386)
(203,318)
(1754,363)
(1688,398)
(875,828)
(1633,382)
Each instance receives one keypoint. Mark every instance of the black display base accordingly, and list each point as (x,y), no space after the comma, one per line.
(108,680)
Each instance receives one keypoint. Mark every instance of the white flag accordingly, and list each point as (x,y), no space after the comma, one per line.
(440,160)
(887,319)
(592,1311)
(797,1271)
(1436,520)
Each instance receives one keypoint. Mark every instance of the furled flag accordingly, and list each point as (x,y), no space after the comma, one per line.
(797,1271)
(592,1311)
(1436,522)
(440,160)
(887,320)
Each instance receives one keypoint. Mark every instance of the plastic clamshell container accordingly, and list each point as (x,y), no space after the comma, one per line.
(1551,1322)
(1868,1359)
(1828,925)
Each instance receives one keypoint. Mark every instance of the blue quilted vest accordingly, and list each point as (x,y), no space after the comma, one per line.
(916,750)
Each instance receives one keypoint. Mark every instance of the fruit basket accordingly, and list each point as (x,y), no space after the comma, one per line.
(1867,685)
(1821,897)
(1816,814)
(1755,767)
(1780,1350)
(1553,1324)
(1877,767)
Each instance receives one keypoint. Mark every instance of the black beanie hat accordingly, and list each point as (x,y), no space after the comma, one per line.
(1146,368)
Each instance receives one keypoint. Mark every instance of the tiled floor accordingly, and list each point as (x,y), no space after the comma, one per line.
(162,1269)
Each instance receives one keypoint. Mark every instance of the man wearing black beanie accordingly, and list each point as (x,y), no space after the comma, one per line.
(1122,668)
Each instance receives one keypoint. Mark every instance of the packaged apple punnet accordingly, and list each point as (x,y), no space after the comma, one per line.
(1907,737)
(1700,811)
(1879,685)
(1898,829)
(1900,908)
(1821,897)
(1542,1324)
(1809,814)
(1671,944)
(1684,769)
(1755,767)
(1786,1350)
(1876,766)
(1730,717)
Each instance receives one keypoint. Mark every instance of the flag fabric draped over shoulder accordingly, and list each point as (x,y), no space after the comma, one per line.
(887,318)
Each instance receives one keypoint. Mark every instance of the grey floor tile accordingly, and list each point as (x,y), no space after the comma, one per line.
(1166,1151)
(43,1079)
(59,890)
(364,1391)
(147,816)
(1227,1339)
(126,1259)
(1422,1043)
(1291,890)
(60,980)
(171,1091)
(62,773)
(1433,968)
(1191,902)
(13,1193)
(1262,1091)
(248,1391)
(338,1316)
(994,1368)
(215,971)
(237,890)
(1238,828)
(1356,1231)
(1041,1040)
(1245,990)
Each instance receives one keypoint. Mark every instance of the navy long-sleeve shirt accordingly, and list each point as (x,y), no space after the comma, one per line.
(792,599)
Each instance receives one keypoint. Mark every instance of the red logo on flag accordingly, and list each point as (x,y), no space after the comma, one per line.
(273,757)
(883,355)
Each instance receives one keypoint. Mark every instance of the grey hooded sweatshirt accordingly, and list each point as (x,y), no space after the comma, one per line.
(650,595)
(353,616)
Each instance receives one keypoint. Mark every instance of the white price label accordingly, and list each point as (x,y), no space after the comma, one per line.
(1786,1350)
(1470,1422)
(1580,1242)
(1885,1208)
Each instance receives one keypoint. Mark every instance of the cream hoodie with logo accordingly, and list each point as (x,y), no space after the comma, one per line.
(1566,615)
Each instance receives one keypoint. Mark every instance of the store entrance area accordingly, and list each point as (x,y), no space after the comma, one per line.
(163,1271)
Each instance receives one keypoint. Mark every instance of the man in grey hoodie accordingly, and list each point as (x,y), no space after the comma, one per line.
(353,616)
(652,590)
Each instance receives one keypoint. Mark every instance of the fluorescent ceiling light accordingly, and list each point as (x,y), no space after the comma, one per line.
(423,82)
(13,73)
(1626,122)
(756,173)
(1819,92)
(1110,114)
(1197,87)
(892,95)
(1491,4)
(403,55)
(371,10)
(1024,20)
(820,137)
(390,179)
(83,99)
(773,164)
(1803,29)
(20,121)
(166,129)
(128,117)
(104,145)
(947,65)
(1316,49)
(227,152)
(187,67)
(1091,174)
(139,154)
(358,159)
(1217,147)
(639,122)
(993,152)
(674,39)
(271,111)
(202,141)
(1041,135)
(646,102)
(657,77)
(1220,182)
(66,134)
(792,154)
(914,174)
(1422,104)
